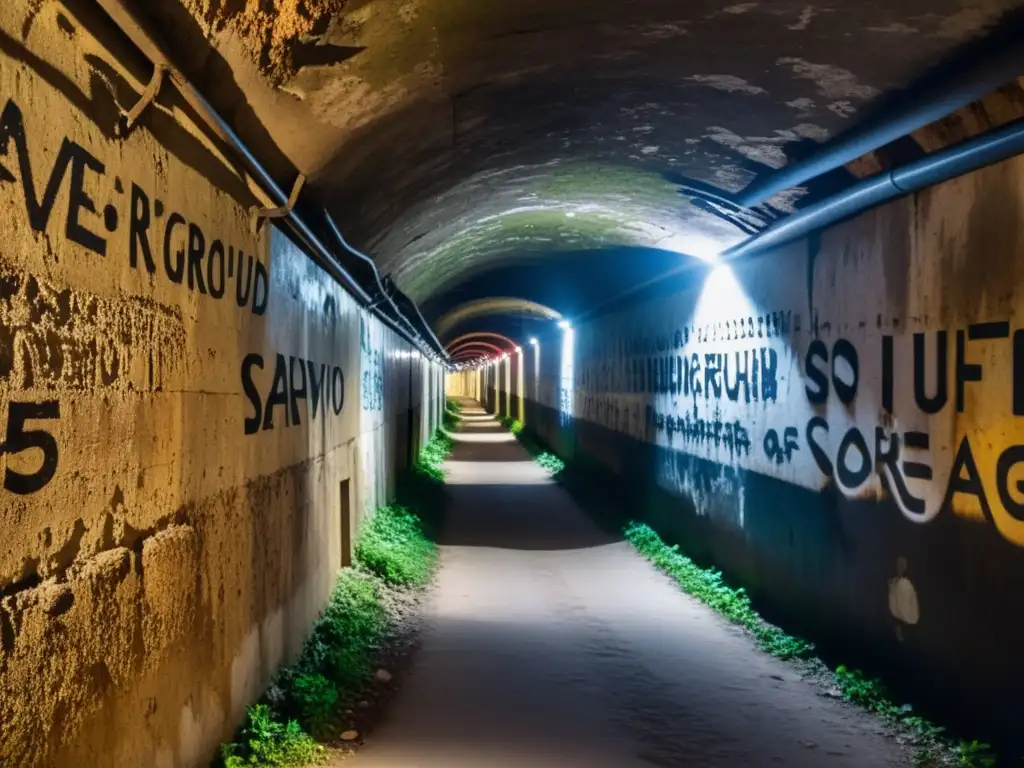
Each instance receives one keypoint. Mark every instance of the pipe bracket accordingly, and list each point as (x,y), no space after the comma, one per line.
(147,97)
(259,214)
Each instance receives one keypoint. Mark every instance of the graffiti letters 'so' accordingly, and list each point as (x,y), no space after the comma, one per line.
(817,389)
(845,390)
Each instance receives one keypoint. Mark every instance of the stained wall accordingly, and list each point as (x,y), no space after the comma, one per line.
(840,426)
(191,411)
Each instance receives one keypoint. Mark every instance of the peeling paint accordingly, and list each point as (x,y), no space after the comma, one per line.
(739,8)
(895,28)
(833,82)
(728,83)
(803,106)
(806,15)
(842,108)
(766,150)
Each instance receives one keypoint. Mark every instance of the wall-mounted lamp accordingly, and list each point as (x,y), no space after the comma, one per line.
(534,342)
(564,325)
(519,350)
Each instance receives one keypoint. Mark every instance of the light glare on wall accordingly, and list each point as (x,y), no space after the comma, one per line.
(567,376)
(564,325)
(533,342)
(722,298)
(697,245)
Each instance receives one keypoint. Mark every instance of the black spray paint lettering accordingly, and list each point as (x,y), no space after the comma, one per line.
(781,449)
(188,260)
(965,477)
(931,377)
(294,379)
(744,375)
(843,376)
(71,154)
(19,437)
(698,431)
(203,268)
(769,325)
(373,380)
(856,462)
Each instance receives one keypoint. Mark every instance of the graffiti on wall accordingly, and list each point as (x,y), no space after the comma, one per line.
(53,337)
(372,363)
(878,415)
(162,242)
(320,386)
(904,461)
(22,436)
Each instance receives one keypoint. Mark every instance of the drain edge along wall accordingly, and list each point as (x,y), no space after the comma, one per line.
(181,412)
(840,426)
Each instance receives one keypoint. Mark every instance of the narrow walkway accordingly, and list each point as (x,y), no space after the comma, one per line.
(549,645)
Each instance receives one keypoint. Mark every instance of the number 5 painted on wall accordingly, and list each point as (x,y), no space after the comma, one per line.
(18,439)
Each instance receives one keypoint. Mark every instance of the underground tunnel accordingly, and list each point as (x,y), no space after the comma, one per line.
(648,374)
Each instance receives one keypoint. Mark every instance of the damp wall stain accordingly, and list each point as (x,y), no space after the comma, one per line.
(838,425)
(182,404)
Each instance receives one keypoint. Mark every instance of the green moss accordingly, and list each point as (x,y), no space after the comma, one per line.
(559,220)
(452,415)
(932,748)
(609,182)
(265,741)
(708,586)
(392,545)
(392,551)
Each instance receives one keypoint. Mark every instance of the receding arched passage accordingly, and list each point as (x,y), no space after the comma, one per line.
(477,335)
(477,346)
(504,305)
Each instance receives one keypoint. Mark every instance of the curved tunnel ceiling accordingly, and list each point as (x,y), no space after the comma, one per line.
(490,307)
(453,138)
(478,336)
(476,350)
(477,345)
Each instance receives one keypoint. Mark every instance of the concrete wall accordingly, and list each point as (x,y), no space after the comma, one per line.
(840,426)
(465,383)
(187,408)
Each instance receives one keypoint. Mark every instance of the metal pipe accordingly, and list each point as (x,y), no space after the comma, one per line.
(906,116)
(129,25)
(380,283)
(943,165)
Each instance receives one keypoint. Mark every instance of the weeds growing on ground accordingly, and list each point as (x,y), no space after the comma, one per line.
(336,659)
(452,414)
(515,426)
(708,586)
(431,462)
(550,462)
(932,748)
(265,741)
(546,459)
(393,546)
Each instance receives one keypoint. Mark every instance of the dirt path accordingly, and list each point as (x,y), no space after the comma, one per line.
(549,645)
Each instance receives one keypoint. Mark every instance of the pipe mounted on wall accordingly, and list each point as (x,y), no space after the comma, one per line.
(314,248)
(902,119)
(940,166)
